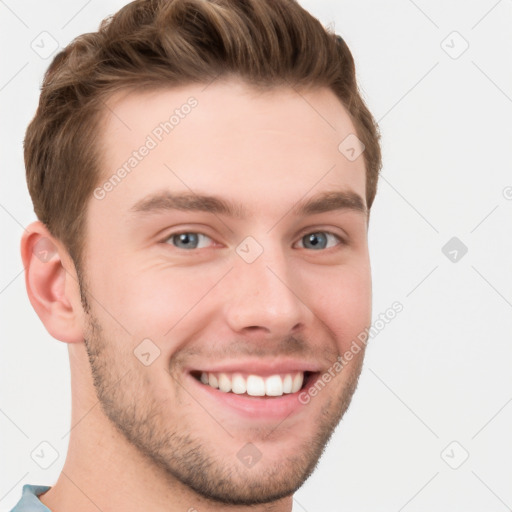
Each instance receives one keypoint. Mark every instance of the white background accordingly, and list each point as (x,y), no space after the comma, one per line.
(441,370)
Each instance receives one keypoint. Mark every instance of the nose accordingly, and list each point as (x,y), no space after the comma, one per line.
(264,297)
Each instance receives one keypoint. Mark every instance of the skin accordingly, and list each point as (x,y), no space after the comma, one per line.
(139,439)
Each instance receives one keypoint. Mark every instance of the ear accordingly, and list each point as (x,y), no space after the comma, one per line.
(52,284)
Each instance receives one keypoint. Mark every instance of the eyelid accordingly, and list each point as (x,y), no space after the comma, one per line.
(341,240)
(340,234)
(178,229)
(187,231)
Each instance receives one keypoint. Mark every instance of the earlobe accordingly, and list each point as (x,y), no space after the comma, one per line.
(52,284)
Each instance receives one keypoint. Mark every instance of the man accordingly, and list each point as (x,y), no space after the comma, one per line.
(203,174)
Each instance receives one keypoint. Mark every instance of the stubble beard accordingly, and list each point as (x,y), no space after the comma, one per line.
(183,457)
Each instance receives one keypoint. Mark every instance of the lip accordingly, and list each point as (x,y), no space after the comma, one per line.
(253,408)
(259,367)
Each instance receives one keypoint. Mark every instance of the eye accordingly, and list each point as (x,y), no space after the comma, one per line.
(188,240)
(320,240)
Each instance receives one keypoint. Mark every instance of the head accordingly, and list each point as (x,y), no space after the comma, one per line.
(188,164)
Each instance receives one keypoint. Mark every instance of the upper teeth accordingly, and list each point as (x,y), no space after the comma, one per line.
(254,385)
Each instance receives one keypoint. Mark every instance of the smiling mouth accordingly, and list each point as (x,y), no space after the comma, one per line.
(256,385)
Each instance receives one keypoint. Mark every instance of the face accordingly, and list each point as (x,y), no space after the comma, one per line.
(226,272)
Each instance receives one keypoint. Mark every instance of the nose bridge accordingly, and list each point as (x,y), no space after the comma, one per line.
(263,290)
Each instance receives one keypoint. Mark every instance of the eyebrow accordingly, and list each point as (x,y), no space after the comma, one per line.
(320,203)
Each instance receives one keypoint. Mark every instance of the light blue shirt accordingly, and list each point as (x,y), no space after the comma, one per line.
(29,501)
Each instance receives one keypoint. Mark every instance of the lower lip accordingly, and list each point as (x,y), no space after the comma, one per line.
(255,407)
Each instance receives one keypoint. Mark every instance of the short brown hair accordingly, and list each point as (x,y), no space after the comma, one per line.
(166,43)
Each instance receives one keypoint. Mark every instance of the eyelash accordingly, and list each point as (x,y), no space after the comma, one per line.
(340,240)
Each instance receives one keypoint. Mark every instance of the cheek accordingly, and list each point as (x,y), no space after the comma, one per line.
(342,299)
(153,301)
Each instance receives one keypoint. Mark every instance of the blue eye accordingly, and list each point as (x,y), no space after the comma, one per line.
(188,240)
(319,240)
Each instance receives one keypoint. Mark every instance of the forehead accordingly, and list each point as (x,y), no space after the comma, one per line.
(227,138)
